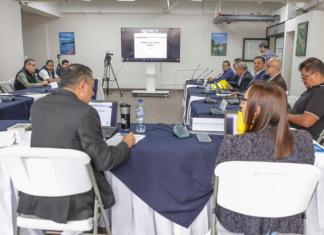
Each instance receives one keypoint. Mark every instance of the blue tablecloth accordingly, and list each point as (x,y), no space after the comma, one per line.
(194,82)
(173,176)
(41,90)
(19,109)
(201,109)
(4,124)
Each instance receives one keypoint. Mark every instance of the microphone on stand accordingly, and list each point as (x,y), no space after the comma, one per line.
(192,77)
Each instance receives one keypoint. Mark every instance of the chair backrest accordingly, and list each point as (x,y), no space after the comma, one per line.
(6,86)
(266,189)
(47,172)
(320,137)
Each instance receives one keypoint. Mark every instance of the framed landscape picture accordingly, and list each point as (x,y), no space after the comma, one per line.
(67,44)
(218,44)
(301,39)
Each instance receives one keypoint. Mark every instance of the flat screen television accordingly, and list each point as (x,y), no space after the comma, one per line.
(150,44)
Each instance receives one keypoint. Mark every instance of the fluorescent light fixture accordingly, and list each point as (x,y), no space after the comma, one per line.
(196,0)
(126,0)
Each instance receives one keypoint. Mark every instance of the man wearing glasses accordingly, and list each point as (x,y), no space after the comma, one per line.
(26,78)
(308,112)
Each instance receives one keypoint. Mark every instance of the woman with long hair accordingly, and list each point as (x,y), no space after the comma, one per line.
(267,138)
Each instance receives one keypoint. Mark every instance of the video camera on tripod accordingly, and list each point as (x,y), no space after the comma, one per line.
(108,58)
(108,68)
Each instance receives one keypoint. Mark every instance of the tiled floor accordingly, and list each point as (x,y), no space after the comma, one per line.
(157,109)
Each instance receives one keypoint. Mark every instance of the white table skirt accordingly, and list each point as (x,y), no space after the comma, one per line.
(132,216)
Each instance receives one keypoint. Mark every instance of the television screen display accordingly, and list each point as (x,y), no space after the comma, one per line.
(150,44)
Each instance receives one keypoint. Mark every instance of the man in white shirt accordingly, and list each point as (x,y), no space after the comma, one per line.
(47,72)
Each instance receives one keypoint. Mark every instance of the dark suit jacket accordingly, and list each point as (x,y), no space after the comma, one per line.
(279,81)
(244,85)
(259,146)
(262,76)
(61,120)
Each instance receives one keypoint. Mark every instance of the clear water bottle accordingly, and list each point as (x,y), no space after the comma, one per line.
(140,126)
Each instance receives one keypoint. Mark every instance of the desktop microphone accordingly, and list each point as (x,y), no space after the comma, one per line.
(205,76)
(201,74)
(7,98)
(195,71)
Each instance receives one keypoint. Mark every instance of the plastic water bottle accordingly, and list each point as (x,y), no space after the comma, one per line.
(140,126)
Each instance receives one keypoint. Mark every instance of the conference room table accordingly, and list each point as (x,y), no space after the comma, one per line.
(163,188)
(195,105)
(18,109)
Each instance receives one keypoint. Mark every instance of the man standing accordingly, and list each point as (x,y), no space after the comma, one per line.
(26,78)
(65,120)
(47,72)
(273,67)
(308,112)
(265,52)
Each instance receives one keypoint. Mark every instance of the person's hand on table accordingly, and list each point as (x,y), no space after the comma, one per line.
(129,139)
(230,87)
(44,83)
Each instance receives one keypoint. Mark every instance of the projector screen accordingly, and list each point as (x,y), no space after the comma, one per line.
(150,44)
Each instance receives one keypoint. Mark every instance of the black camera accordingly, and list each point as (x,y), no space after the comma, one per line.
(108,58)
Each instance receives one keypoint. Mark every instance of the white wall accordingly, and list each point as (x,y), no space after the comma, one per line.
(314,46)
(34,28)
(97,29)
(97,33)
(11,44)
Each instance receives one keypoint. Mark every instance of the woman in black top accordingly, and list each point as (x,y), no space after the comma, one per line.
(267,138)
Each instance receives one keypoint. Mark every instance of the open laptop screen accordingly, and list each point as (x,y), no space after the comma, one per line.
(107,112)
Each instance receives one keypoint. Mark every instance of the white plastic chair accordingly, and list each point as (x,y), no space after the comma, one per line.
(251,188)
(320,137)
(51,172)
(6,86)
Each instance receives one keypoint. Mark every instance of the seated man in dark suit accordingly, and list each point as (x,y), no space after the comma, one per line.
(65,120)
(308,112)
(243,77)
(227,73)
(260,69)
(26,78)
(273,67)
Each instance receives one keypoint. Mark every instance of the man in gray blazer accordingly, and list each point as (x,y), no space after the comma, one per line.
(65,120)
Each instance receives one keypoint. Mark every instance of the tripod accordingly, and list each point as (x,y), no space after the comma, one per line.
(106,77)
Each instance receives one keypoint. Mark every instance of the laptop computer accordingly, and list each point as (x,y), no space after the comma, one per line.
(108,116)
